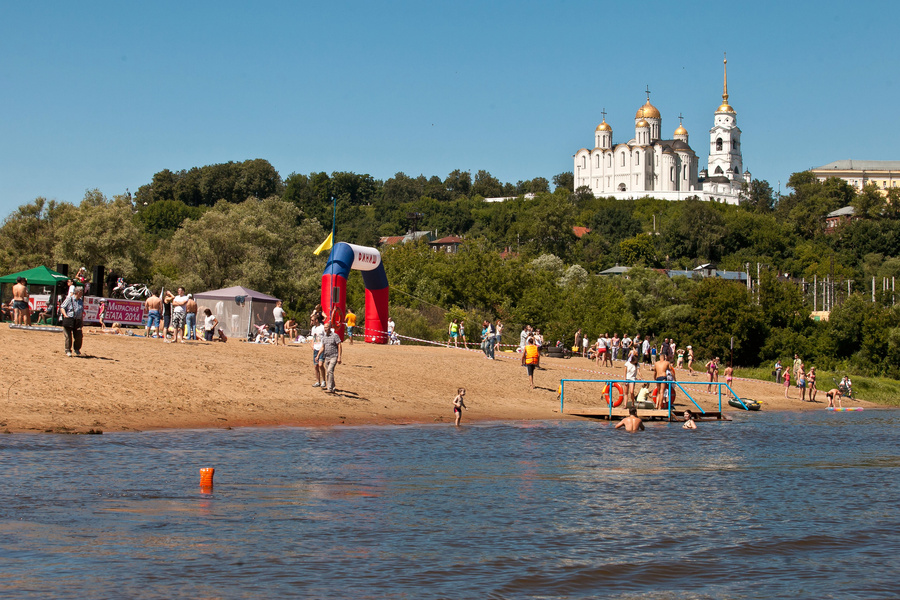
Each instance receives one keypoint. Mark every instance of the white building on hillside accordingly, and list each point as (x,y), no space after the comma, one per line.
(648,165)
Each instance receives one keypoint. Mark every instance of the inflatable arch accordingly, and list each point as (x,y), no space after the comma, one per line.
(344,257)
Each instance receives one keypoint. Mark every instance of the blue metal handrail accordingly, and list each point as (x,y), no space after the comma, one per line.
(680,384)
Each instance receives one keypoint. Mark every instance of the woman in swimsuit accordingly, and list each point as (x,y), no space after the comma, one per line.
(811,382)
(712,369)
(458,404)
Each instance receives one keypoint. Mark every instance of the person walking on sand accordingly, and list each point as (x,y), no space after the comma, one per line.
(453,333)
(787,384)
(832,395)
(318,336)
(498,334)
(690,354)
(729,376)
(72,313)
(531,359)
(576,347)
(777,371)
(332,350)
(459,404)
(462,334)
(632,422)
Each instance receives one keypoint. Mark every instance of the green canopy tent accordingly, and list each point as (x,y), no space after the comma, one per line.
(36,276)
(39,276)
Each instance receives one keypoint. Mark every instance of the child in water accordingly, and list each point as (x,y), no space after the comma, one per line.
(458,404)
(689,420)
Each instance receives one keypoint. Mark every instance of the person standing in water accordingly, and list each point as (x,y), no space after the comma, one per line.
(689,420)
(459,404)
(632,422)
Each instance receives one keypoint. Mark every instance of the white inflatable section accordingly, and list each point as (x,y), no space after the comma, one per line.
(365,258)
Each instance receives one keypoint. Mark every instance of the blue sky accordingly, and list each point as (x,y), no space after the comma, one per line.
(105,94)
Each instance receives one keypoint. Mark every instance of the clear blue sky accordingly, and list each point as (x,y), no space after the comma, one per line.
(105,94)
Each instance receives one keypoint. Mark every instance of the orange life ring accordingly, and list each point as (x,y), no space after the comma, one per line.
(605,394)
(654,394)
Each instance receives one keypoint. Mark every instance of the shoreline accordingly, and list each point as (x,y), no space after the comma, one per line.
(202,385)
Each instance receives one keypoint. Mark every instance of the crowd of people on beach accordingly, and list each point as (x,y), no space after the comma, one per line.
(805,380)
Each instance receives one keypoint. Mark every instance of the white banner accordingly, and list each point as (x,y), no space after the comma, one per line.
(365,258)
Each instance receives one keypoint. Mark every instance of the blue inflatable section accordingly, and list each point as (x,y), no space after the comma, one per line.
(341,260)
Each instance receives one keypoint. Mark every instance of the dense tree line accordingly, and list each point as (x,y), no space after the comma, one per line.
(241,223)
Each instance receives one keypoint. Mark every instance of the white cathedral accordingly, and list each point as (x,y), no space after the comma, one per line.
(647,165)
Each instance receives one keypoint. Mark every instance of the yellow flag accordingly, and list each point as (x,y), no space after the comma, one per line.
(326,245)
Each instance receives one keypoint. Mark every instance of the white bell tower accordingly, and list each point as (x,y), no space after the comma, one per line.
(725,140)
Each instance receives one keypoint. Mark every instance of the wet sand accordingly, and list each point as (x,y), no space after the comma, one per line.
(124,383)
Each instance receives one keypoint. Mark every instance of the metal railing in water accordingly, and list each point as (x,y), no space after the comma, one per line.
(609,384)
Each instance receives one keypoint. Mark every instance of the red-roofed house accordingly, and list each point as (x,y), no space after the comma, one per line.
(447,244)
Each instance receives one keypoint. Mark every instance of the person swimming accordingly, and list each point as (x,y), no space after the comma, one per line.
(689,422)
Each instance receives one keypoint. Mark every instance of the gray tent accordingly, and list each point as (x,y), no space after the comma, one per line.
(237,308)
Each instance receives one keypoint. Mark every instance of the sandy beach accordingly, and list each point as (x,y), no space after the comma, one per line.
(127,383)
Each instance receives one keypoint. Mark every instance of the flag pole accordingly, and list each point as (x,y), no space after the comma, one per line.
(331,279)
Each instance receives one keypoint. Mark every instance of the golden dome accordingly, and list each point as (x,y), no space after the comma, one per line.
(642,123)
(647,111)
(604,126)
(681,130)
(725,107)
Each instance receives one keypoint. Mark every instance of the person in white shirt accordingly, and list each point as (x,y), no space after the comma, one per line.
(179,313)
(209,325)
(318,336)
(278,313)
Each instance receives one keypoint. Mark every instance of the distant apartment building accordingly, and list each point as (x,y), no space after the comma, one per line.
(885,174)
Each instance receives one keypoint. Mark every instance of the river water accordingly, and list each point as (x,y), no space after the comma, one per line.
(772,505)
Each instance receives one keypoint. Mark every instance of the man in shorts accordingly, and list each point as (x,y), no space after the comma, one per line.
(21,310)
(278,314)
(318,336)
(153,305)
(350,320)
(531,359)
(662,369)
(179,312)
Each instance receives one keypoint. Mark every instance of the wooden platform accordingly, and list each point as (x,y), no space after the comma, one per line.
(603,412)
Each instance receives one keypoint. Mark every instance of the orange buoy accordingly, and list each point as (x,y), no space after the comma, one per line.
(206,478)
(605,394)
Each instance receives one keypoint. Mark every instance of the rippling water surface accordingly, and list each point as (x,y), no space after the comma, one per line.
(772,505)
